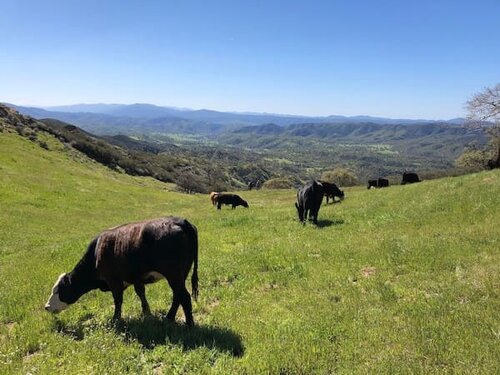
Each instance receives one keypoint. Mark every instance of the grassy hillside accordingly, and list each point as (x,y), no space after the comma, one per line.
(401,280)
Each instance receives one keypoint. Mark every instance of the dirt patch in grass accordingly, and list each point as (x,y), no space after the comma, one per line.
(368,271)
(213,304)
(4,333)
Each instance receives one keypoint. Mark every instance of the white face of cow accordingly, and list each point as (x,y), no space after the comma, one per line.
(54,304)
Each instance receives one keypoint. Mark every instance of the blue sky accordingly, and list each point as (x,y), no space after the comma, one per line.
(412,59)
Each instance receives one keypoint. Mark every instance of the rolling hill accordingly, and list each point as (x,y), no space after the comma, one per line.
(147,118)
(193,166)
(285,148)
(400,280)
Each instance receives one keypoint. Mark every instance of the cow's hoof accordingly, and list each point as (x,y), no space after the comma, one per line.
(116,319)
(171,318)
(117,322)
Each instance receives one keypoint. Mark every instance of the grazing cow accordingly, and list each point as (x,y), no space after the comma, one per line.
(309,199)
(232,199)
(383,182)
(492,164)
(409,178)
(135,254)
(331,190)
(379,183)
(213,197)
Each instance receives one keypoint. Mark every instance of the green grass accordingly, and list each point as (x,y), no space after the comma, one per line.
(398,280)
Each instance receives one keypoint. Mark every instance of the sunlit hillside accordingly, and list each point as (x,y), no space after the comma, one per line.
(396,280)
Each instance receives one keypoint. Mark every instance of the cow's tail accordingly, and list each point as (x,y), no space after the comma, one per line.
(194,276)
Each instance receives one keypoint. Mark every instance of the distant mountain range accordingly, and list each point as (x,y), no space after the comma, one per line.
(140,118)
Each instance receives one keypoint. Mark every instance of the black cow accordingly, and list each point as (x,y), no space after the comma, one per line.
(232,199)
(135,254)
(409,178)
(383,182)
(379,183)
(309,199)
(331,190)
(492,164)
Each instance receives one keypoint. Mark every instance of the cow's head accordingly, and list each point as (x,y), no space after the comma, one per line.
(58,300)
(244,204)
(341,195)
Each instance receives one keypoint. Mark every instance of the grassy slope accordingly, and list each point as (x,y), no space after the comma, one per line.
(398,280)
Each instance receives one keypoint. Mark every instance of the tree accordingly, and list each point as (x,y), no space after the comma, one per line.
(340,176)
(484,112)
(472,160)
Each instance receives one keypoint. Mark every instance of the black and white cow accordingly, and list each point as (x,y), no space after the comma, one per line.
(379,183)
(135,254)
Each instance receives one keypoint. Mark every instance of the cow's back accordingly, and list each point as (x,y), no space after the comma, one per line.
(312,195)
(138,248)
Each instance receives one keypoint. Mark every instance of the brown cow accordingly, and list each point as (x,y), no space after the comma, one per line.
(213,197)
(135,254)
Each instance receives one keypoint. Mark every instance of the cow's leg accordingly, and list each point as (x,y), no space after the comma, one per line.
(185,299)
(140,290)
(181,297)
(175,300)
(314,214)
(218,205)
(173,309)
(118,298)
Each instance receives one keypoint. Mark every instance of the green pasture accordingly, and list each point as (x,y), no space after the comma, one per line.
(399,280)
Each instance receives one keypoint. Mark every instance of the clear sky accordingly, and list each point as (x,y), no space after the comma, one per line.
(412,59)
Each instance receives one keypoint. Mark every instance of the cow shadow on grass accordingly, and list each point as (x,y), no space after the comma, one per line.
(328,223)
(158,330)
(72,331)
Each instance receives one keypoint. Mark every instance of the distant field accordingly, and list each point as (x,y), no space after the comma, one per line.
(400,280)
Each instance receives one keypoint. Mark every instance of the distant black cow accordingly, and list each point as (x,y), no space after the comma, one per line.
(309,199)
(409,178)
(383,182)
(492,164)
(331,190)
(135,254)
(232,199)
(379,183)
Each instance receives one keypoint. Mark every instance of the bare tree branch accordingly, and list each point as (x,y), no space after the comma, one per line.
(484,106)
(484,113)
